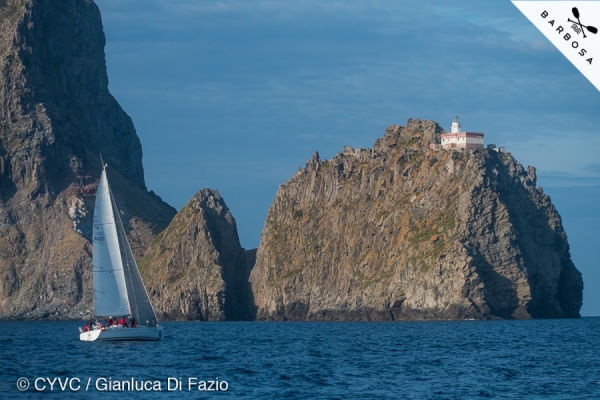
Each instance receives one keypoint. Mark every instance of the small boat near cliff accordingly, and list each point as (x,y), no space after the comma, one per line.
(118,287)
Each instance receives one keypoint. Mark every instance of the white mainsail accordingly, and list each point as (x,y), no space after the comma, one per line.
(110,290)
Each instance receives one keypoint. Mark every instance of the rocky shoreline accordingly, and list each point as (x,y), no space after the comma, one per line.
(399,231)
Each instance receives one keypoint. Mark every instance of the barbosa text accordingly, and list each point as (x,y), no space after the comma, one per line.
(582,52)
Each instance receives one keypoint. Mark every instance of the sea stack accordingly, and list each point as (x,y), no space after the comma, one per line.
(408,230)
(196,269)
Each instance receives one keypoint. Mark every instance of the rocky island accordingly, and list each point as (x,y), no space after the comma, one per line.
(196,269)
(403,230)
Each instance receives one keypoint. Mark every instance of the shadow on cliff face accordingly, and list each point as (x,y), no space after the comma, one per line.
(555,284)
(237,264)
(7,186)
(500,296)
(244,308)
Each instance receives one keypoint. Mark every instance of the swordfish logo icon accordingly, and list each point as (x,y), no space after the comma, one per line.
(579,27)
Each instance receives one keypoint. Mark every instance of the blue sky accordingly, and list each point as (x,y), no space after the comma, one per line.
(236,95)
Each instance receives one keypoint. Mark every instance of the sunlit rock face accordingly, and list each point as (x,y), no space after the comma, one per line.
(196,269)
(401,231)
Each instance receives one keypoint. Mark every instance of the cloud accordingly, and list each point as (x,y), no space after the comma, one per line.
(234,93)
(594,169)
(567,158)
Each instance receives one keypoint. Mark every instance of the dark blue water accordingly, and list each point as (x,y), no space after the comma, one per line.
(558,359)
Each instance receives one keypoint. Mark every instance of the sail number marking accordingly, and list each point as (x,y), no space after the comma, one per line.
(98,236)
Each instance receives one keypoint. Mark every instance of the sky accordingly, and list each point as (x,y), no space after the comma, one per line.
(236,95)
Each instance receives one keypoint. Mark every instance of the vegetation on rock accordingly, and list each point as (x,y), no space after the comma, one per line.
(401,232)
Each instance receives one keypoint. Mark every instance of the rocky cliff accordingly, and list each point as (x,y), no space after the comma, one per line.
(400,231)
(394,232)
(56,117)
(196,269)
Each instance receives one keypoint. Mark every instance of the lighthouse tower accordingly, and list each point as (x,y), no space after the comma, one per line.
(455,125)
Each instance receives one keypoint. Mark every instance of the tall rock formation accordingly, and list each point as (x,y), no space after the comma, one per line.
(403,232)
(56,117)
(196,269)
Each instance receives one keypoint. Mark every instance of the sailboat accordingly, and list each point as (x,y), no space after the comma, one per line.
(118,288)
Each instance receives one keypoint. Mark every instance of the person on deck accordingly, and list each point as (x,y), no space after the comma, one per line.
(109,321)
(123,322)
(86,328)
(115,323)
(133,322)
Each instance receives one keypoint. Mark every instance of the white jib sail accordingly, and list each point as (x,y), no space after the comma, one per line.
(110,292)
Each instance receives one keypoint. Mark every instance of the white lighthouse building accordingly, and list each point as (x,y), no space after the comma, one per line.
(461,140)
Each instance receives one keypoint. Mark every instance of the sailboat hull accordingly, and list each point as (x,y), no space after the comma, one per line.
(119,333)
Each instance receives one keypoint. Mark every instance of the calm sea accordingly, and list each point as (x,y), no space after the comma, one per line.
(558,359)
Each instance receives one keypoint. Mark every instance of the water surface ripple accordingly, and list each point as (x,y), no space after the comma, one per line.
(557,359)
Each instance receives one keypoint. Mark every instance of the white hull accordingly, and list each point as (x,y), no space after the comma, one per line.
(119,333)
